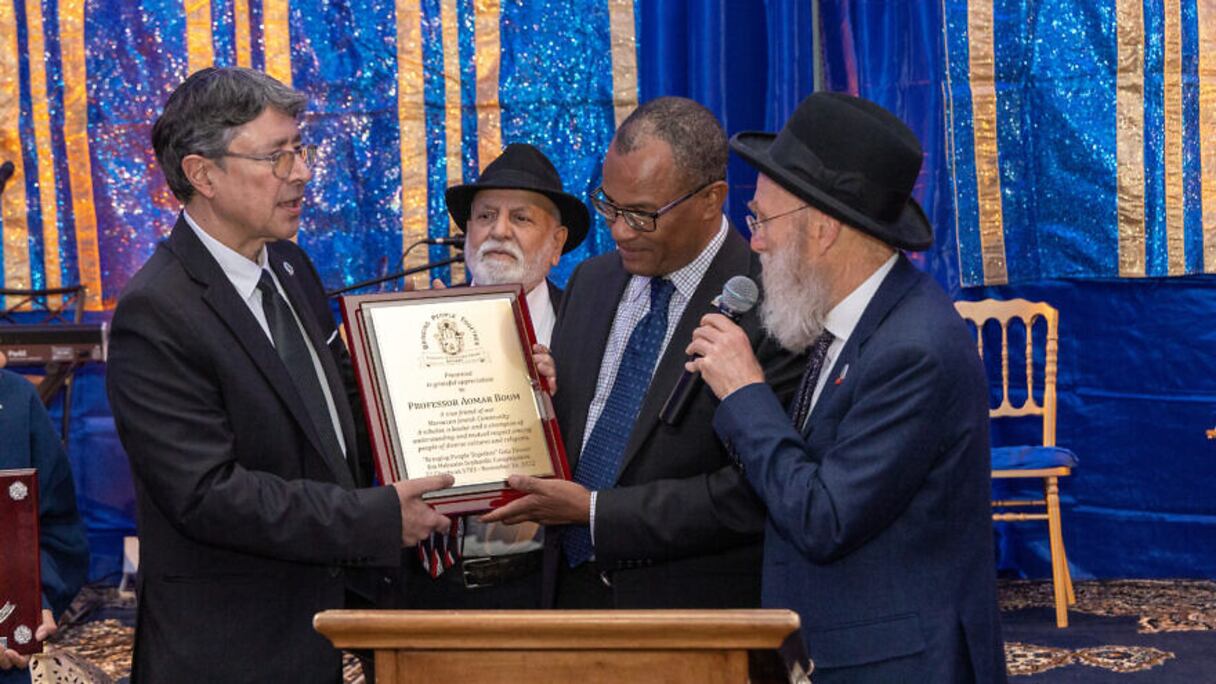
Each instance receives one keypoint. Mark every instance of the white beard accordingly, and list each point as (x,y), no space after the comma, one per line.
(496,271)
(795,298)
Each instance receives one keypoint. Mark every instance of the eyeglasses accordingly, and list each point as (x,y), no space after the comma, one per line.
(637,219)
(753,223)
(283,161)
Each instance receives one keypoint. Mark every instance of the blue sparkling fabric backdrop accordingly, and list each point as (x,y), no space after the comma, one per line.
(405,99)
(1078,136)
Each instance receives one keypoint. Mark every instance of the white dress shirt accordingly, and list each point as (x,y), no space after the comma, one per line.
(540,308)
(244,276)
(843,319)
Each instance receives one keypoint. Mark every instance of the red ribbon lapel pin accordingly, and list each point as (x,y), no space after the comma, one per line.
(843,372)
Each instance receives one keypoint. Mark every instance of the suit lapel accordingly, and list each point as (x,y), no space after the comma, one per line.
(594,328)
(555,295)
(893,288)
(222,298)
(732,259)
(302,308)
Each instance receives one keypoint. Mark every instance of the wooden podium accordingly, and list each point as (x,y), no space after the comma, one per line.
(584,646)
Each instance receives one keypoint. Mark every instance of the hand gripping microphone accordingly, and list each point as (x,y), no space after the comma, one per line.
(739,296)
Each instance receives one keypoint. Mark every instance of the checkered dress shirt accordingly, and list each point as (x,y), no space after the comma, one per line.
(635,303)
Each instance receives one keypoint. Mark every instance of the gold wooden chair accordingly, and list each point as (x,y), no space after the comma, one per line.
(1045,461)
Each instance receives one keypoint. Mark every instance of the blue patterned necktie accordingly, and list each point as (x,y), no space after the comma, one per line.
(600,459)
(801,407)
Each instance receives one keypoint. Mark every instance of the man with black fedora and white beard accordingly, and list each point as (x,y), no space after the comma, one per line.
(876,477)
(518,222)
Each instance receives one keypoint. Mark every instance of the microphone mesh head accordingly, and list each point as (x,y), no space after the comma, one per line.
(739,295)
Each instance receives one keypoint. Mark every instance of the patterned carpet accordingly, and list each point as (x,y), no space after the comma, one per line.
(1126,630)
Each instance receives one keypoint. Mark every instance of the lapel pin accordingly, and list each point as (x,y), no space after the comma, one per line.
(843,371)
(288,268)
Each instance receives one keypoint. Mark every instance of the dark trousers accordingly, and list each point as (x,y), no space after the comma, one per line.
(582,587)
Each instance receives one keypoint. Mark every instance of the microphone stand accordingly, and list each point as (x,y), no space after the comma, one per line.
(394,276)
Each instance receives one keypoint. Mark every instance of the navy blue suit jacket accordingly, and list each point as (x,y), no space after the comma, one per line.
(879,531)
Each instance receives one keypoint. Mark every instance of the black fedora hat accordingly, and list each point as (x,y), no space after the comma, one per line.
(852,160)
(523,167)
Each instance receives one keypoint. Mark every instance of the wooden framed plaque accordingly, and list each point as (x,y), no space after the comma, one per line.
(449,386)
(20,563)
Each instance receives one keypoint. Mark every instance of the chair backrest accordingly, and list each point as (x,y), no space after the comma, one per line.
(1004,312)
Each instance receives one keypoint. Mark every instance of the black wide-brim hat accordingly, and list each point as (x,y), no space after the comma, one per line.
(852,160)
(523,167)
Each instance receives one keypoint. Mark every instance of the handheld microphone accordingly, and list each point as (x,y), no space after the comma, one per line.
(739,296)
(456,241)
(6,172)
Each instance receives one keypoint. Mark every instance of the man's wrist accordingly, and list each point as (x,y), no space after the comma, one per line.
(743,386)
(591,518)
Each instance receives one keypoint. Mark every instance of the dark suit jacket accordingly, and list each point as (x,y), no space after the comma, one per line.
(681,528)
(247,527)
(879,530)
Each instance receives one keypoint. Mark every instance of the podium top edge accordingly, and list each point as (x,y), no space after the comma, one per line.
(557,629)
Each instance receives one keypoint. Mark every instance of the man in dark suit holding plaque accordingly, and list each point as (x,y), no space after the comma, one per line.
(234,398)
(656,516)
(518,222)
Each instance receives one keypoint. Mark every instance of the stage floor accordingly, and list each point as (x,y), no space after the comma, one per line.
(1120,630)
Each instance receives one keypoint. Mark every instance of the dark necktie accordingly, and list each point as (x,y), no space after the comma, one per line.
(801,406)
(600,460)
(292,348)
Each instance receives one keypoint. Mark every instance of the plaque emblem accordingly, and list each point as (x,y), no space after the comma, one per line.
(18,491)
(451,340)
(449,337)
(22,634)
(6,610)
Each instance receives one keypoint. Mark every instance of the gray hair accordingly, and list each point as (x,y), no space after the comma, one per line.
(203,113)
(694,134)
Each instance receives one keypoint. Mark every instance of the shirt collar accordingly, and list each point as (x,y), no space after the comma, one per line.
(243,273)
(843,317)
(687,278)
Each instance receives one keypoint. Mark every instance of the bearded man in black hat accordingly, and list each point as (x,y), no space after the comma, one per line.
(877,478)
(656,517)
(518,222)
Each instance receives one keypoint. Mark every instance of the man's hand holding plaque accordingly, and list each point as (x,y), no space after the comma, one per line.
(418,519)
(545,501)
